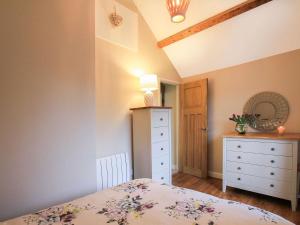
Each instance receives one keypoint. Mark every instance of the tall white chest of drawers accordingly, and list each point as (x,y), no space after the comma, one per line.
(152,143)
(262,163)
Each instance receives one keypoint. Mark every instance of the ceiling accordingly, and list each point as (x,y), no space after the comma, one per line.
(157,16)
(270,29)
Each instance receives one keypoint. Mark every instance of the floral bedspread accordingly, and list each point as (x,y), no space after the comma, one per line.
(145,202)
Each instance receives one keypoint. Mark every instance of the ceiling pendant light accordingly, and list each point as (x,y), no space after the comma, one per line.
(177,9)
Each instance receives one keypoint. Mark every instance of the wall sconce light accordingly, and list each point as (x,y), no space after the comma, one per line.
(148,84)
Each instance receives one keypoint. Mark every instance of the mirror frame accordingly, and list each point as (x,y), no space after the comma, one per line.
(281,110)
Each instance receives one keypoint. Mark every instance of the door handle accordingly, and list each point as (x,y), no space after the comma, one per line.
(204,129)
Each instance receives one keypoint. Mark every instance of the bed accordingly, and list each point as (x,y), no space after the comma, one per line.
(146,202)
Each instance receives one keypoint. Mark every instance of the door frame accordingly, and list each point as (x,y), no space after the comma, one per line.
(175,167)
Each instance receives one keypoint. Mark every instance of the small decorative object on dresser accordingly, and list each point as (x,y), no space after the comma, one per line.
(281,130)
(152,143)
(265,163)
(242,122)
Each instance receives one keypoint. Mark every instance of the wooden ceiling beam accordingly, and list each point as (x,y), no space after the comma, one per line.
(212,21)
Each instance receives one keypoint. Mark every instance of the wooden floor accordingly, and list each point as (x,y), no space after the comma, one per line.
(213,187)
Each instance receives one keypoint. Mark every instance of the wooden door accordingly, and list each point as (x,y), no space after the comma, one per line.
(193,132)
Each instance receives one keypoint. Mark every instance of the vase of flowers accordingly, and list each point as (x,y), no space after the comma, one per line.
(241,128)
(242,122)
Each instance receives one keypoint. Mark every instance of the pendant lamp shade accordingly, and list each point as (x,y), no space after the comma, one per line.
(177,9)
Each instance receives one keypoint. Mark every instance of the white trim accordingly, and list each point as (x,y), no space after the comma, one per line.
(215,175)
(224,183)
(175,169)
(177,126)
(167,81)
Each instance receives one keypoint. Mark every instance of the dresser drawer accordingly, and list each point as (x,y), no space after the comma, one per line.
(245,146)
(160,118)
(271,148)
(160,163)
(283,149)
(259,183)
(260,159)
(162,176)
(160,134)
(160,148)
(259,171)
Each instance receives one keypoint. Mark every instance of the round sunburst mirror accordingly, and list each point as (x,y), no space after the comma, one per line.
(269,109)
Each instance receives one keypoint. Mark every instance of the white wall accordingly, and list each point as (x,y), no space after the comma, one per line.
(158,17)
(117,89)
(267,30)
(47,109)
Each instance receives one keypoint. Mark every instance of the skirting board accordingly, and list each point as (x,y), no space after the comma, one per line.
(215,175)
(175,169)
(210,173)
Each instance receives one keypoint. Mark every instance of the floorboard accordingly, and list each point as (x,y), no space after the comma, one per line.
(213,187)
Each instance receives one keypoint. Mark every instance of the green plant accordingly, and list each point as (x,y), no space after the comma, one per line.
(243,119)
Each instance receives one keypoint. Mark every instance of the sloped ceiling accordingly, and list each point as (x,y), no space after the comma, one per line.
(268,30)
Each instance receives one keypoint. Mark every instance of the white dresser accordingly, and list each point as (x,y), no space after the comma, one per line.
(152,143)
(262,163)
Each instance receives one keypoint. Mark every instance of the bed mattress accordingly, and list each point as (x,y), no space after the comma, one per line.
(146,202)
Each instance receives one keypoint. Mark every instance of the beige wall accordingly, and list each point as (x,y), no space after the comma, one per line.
(230,88)
(47,109)
(117,89)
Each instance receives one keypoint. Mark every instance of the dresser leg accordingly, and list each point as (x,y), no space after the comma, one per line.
(294,204)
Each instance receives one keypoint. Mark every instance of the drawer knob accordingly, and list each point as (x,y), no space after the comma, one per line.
(271,185)
(162,178)
(239,168)
(161,149)
(272,149)
(239,157)
(239,178)
(272,174)
(161,119)
(162,163)
(161,134)
(239,146)
(272,161)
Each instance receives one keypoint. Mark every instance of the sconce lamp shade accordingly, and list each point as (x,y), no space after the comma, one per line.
(149,82)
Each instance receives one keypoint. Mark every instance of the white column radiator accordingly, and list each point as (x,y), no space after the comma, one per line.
(112,170)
